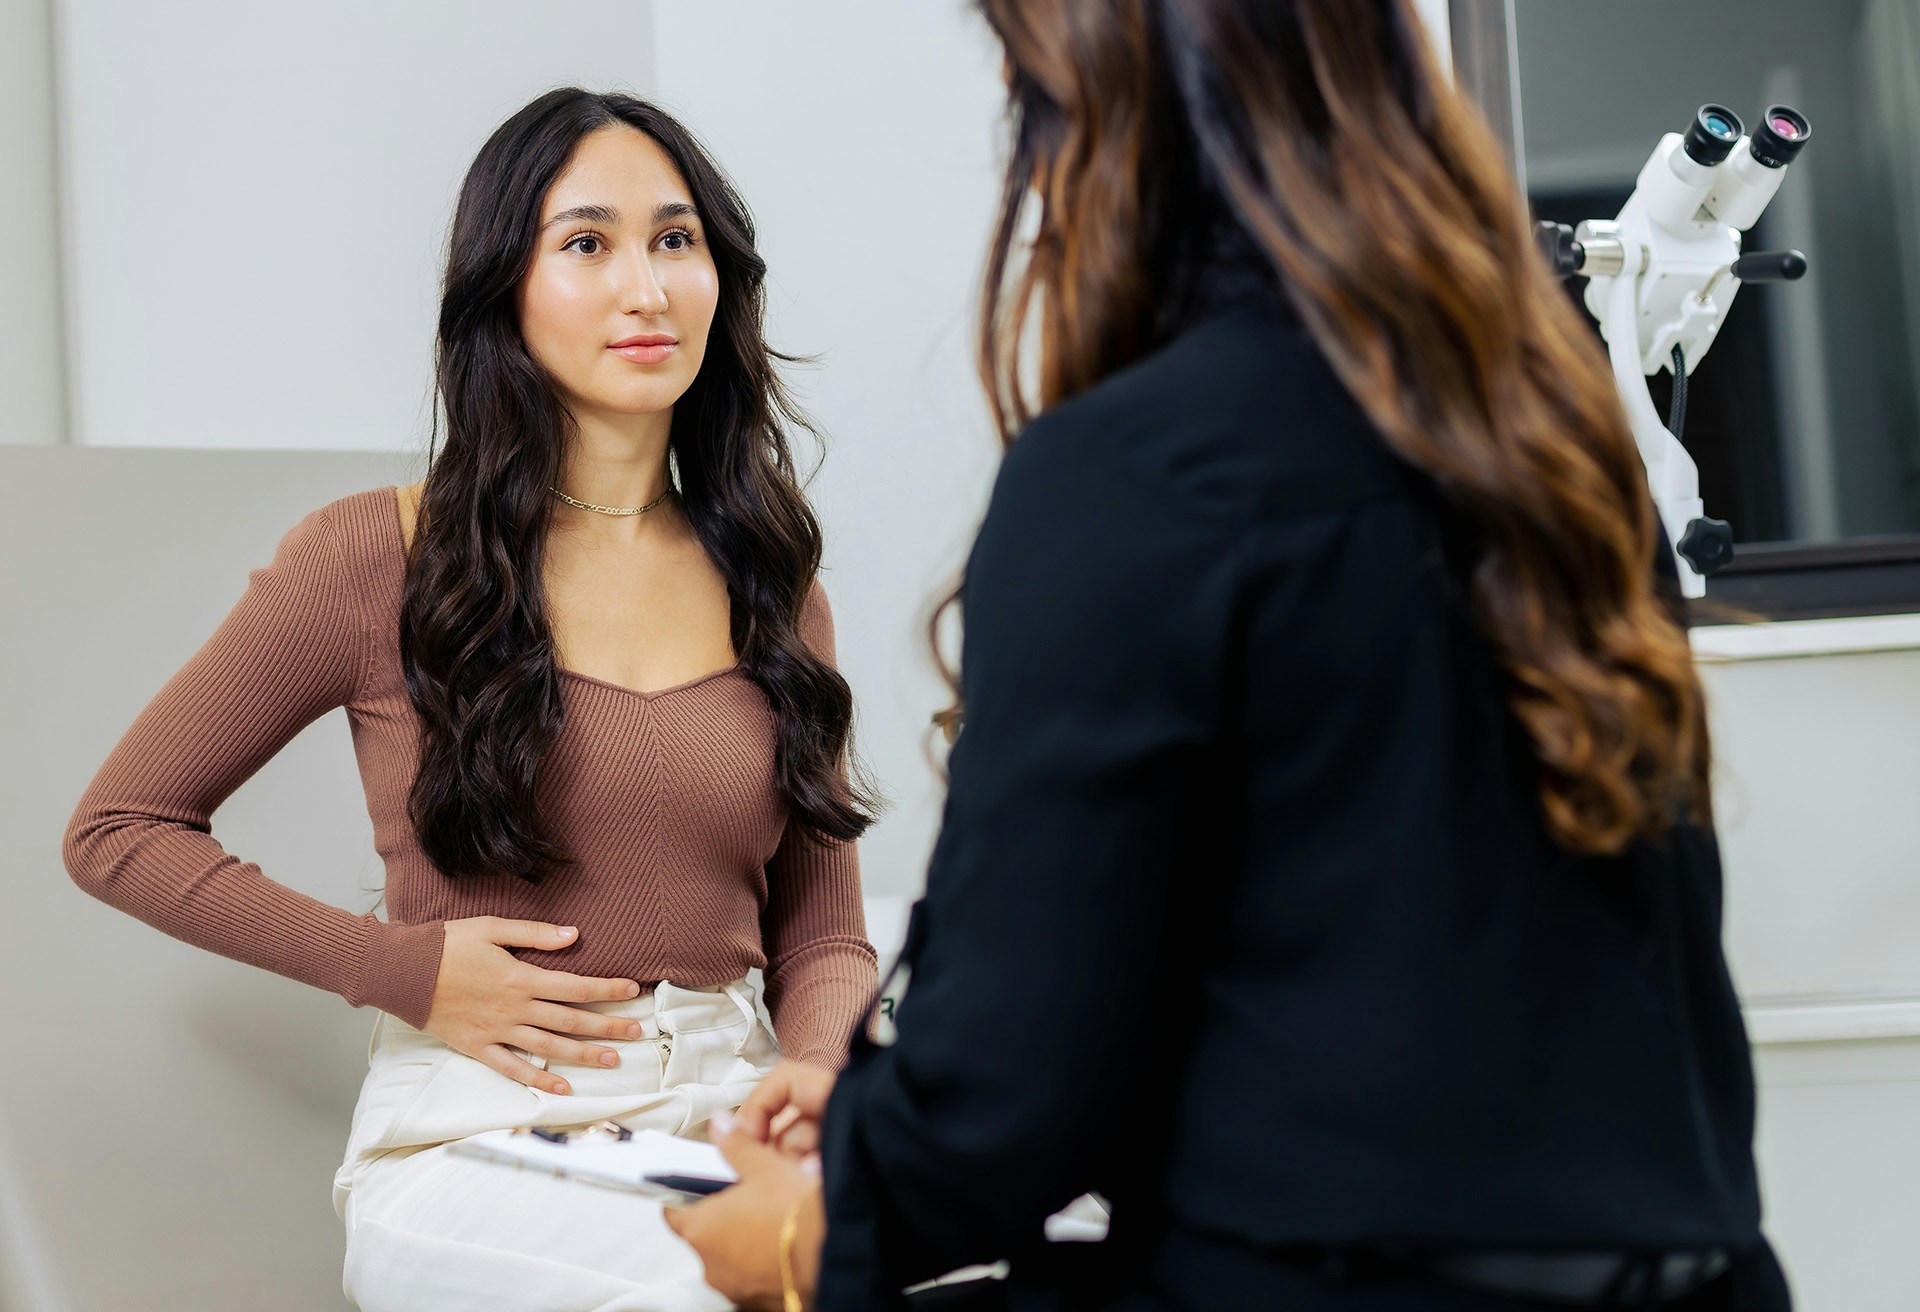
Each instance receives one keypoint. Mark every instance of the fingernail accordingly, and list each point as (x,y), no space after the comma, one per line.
(608,1059)
(633,990)
(810,1164)
(560,1087)
(565,930)
(722,1124)
(634,1031)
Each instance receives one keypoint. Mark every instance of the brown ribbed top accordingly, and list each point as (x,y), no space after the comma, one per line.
(687,869)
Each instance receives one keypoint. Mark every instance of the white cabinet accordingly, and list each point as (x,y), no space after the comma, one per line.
(1817,729)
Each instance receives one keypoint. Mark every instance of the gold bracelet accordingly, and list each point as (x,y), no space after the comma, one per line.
(790,1295)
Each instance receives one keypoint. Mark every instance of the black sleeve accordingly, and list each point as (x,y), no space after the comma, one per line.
(1097,608)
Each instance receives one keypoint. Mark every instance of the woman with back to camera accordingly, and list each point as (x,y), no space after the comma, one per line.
(1327,875)
(605,748)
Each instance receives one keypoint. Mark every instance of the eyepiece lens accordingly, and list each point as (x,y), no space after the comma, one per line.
(1783,131)
(1711,135)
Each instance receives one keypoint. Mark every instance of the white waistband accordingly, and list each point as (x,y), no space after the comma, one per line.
(665,995)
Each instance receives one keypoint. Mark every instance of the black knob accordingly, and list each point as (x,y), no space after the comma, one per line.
(1708,545)
(1563,253)
(1771,266)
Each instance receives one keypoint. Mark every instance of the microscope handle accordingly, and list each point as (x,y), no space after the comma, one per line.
(1770,266)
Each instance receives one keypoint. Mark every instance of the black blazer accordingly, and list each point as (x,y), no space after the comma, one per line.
(1243,912)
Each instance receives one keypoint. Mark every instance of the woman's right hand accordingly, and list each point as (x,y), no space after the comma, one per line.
(487,998)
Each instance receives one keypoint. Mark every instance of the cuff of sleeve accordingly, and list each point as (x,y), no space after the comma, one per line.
(402,968)
(815,1022)
(828,1057)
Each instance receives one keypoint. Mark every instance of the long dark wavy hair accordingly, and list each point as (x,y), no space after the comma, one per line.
(474,635)
(1382,202)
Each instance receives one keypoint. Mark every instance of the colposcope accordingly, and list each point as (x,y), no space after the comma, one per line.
(1661,277)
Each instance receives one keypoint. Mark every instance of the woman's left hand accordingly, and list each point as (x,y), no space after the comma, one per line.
(736,1232)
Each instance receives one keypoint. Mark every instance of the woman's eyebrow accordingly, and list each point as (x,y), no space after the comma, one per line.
(673,209)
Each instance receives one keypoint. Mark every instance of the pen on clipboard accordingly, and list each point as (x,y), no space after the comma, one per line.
(699,1186)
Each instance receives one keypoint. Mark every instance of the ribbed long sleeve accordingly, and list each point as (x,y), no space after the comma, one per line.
(140,838)
(821,970)
(686,866)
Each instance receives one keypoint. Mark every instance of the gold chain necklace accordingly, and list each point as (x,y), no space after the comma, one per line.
(612,510)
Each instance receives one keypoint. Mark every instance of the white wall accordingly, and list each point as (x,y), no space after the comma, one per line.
(1434,13)
(32,383)
(258,198)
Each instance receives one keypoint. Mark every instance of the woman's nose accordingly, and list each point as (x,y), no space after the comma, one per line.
(640,288)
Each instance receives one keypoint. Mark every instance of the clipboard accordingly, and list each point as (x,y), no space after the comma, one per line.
(610,1155)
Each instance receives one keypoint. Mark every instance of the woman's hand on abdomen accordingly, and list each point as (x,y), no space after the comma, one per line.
(486,998)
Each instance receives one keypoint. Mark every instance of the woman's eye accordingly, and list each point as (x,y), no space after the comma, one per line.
(582,237)
(680,236)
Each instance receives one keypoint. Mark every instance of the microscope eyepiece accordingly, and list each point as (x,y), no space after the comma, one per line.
(1781,133)
(1712,135)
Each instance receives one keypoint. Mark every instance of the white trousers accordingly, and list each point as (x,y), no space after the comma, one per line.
(430,1230)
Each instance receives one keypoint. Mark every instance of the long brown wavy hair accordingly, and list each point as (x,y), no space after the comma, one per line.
(475,642)
(1384,205)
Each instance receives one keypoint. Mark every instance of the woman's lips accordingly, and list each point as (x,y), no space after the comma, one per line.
(651,353)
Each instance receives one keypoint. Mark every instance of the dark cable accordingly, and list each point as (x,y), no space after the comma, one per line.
(1677,411)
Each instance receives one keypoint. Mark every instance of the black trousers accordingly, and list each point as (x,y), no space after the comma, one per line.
(1190,1272)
